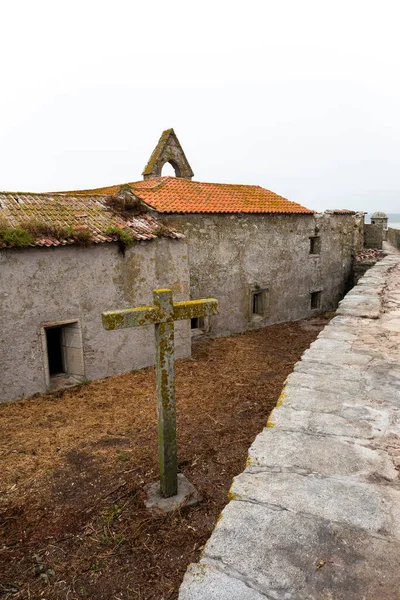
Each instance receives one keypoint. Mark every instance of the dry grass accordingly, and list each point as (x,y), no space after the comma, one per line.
(72,519)
(39,229)
(82,237)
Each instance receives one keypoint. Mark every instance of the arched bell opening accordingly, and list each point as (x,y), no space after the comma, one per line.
(170,169)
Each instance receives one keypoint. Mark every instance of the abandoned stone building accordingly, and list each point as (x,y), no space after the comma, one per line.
(69,256)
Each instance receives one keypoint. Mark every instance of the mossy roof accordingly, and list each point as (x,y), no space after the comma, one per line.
(91,212)
(179,195)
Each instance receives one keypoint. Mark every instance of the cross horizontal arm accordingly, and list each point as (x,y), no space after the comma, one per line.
(147,315)
(195,308)
(130,317)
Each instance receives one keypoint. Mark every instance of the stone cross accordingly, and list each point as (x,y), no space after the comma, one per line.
(162,314)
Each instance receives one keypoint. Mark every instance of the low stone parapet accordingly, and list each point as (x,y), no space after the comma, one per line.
(393,237)
(316,513)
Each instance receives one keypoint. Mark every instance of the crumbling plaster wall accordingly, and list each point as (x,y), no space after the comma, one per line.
(228,254)
(41,285)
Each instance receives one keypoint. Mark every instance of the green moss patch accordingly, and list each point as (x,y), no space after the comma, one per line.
(123,237)
(16,237)
(82,237)
(28,232)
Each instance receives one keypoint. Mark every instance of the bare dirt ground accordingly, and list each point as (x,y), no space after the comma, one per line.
(73,466)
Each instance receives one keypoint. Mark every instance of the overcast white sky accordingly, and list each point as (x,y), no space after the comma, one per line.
(299,96)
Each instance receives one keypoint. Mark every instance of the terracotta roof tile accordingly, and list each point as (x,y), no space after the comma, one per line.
(90,210)
(178,195)
(80,212)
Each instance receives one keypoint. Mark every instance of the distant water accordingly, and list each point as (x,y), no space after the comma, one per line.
(394,220)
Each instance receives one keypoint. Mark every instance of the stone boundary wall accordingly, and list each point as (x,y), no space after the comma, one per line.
(373,236)
(393,237)
(316,513)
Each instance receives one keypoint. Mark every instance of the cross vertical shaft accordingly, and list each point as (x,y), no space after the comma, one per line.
(166,400)
(162,314)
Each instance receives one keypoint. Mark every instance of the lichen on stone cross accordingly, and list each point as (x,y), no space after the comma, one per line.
(162,313)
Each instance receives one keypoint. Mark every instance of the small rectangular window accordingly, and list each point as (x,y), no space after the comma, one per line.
(315,245)
(199,326)
(197,323)
(315,300)
(258,303)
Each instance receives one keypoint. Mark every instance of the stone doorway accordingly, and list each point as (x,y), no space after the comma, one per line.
(63,354)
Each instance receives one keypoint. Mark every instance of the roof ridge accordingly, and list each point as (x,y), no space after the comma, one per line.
(252,185)
(66,194)
(158,182)
(71,195)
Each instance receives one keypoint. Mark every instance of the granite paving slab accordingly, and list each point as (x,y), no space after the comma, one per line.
(316,513)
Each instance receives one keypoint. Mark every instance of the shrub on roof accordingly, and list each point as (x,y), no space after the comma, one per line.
(16,237)
(26,233)
(123,237)
(39,229)
(161,229)
(81,237)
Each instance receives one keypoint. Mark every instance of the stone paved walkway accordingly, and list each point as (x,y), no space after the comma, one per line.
(316,513)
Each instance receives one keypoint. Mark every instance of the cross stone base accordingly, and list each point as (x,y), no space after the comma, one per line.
(187,496)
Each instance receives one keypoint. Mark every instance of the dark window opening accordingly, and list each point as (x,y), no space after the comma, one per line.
(315,300)
(197,323)
(315,245)
(258,303)
(54,350)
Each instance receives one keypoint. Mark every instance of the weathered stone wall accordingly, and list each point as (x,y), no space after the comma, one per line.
(359,225)
(360,268)
(393,237)
(373,236)
(230,255)
(71,283)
